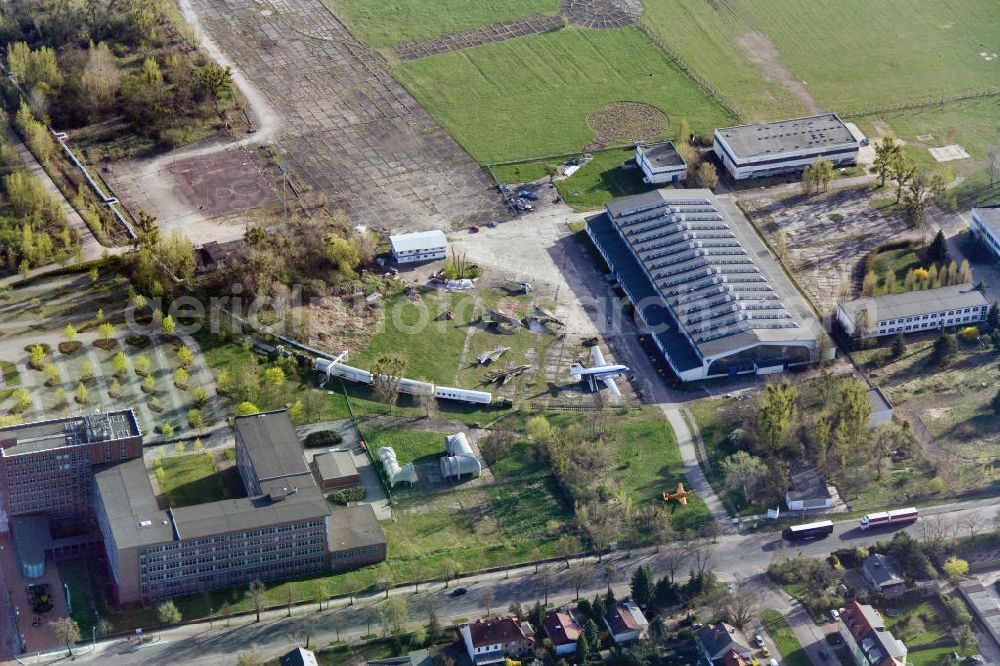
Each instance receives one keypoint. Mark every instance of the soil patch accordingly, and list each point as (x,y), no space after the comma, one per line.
(626,122)
(601,14)
(762,53)
(106,345)
(70,346)
(140,341)
(144,320)
(496,32)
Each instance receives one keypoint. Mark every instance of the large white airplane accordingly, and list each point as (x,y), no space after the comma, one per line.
(599,370)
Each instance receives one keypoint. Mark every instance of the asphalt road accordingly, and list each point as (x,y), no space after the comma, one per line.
(740,558)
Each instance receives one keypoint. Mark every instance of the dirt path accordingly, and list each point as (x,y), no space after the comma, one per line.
(761,52)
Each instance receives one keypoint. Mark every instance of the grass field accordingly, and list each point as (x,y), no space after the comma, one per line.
(534,94)
(898,261)
(602,179)
(386,22)
(189,479)
(410,445)
(788,645)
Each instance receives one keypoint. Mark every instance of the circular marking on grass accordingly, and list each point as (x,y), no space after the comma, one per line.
(626,122)
(601,14)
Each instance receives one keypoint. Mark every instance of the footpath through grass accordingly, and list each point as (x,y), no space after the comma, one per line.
(788,645)
(536,93)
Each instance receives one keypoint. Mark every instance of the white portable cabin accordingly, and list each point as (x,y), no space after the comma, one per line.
(393,470)
(461,459)
(420,246)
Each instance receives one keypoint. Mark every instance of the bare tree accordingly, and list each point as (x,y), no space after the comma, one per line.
(702,553)
(395,613)
(290,596)
(250,656)
(610,576)
(673,559)
(66,631)
(387,373)
(256,593)
(742,609)
(548,578)
(489,595)
(578,577)
(971,522)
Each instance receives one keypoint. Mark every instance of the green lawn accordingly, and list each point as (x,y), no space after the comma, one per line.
(417,332)
(534,94)
(602,179)
(898,261)
(716,419)
(387,22)
(917,624)
(76,576)
(410,445)
(189,479)
(854,53)
(788,645)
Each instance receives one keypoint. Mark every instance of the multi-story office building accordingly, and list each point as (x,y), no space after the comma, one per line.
(986,226)
(283,528)
(913,311)
(91,468)
(47,467)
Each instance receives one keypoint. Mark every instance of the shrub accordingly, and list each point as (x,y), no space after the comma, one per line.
(342,497)
(323,439)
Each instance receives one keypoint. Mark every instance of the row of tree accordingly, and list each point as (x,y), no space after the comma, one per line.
(915,190)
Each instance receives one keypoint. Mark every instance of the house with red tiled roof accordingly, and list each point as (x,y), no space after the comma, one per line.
(871,644)
(563,630)
(717,641)
(626,622)
(492,641)
(734,658)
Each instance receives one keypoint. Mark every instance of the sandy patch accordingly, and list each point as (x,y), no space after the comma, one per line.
(761,52)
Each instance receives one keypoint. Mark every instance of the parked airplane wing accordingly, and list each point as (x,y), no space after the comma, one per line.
(609,381)
(596,357)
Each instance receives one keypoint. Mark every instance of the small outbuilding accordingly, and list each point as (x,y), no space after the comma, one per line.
(808,491)
(660,163)
(882,577)
(881,407)
(335,469)
(461,459)
(420,246)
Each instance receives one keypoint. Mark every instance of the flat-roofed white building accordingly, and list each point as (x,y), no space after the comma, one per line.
(785,146)
(986,226)
(912,311)
(660,162)
(419,246)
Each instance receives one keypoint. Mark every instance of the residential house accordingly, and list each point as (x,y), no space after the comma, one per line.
(716,641)
(626,622)
(415,658)
(492,641)
(867,638)
(299,657)
(882,576)
(734,658)
(563,630)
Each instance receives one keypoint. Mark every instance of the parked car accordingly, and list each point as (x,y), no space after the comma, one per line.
(765,651)
(458,591)
(474,229)
(730,587)
(835,615)
(759,640)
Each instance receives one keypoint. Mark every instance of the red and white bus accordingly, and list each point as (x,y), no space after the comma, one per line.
(886,518)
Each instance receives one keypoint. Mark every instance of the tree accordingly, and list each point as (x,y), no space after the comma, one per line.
(582,649)
(106,331)
(86,371)
(776,414)
(487,597)
(185,357)
(82,395)
(52,375)
(395,613)
(180,377)
(887,152)
(780,244)
(297,412)
(862,324)
(199,396)
(69,333)
(149,384)
(321,592)
(964,273)
(993,317)
(937,251)
(707,176)
(250,656)
(683,137)
(343,254)
(38,355)
(890,280)
(177,254)
(167,326)
(643,592)
(898,345)
(66,632)
(167,613)
(854,411)
(195,419)
(386,375)
(246,408)
(995,403)
(944,197)
(119,365)
(944,350)
(742,471)
(916,198)
(275,377)
(384,579)
(290,596)
(955,568)
(901,171)
(255,591)
(142,365)
(869,284)
(101,76)
(548,579)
